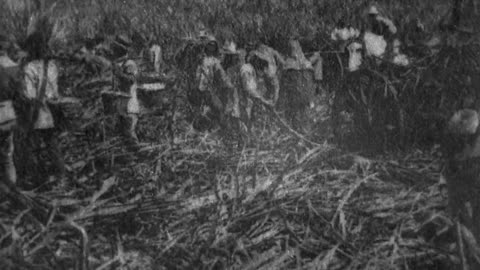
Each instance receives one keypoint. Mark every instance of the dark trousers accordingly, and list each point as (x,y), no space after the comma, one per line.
(49,138)
(127,125)
(7,167)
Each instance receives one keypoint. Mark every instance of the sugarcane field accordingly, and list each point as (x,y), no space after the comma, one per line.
(240,134)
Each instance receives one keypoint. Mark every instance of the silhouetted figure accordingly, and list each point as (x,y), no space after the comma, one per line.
(461,148)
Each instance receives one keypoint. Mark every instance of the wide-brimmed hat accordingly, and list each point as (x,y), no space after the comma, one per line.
(260,54)
(354,45)
(206,35)
(123,41)
(230,47)
(373,10)
(203,33)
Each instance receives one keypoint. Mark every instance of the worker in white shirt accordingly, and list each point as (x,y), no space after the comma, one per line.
(41,87)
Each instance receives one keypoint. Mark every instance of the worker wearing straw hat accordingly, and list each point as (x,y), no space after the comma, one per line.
(213,82)
(259,76)
(125,84)
(268,72)
(41,86)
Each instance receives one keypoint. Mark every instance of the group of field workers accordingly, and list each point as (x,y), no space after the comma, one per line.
(31,106)
(30,103)
(229,87)
(234,83)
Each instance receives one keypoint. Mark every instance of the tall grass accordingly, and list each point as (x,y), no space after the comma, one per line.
(167,21)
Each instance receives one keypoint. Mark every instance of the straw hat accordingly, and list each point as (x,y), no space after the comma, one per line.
(123,41)
(354,46)
(257,54)
(205,35)
(208,39)
(373,10)
(230,48)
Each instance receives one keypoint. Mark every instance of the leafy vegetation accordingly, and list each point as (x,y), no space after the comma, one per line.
(193,200)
